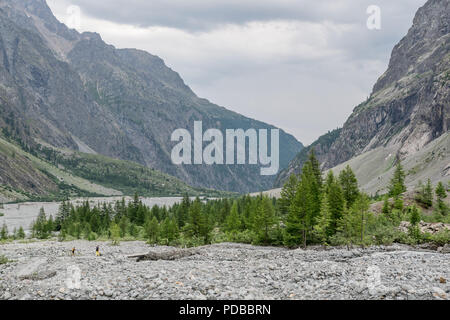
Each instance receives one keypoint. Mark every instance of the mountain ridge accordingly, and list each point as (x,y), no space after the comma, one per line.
(409,106)
(72,90)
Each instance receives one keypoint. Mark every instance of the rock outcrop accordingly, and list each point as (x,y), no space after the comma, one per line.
(410,104)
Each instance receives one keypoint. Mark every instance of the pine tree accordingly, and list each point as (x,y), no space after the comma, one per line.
(123,226)
(233,222)
(114,231)
(312,177)
(63,214)
(315,167)
(301,211)
(360,209)
(441,194)
(428,194)
(50,226)
(397,183)
(183,211)
(349,185)
(20,233)
(264,219)
(329,180)
(295,222)
(152,231)
(4,232)
(169,229)
(321,229)
(414,217)
(425,194)
(386,207)
(198,225)
(40,226)
(337,203)
(287,194)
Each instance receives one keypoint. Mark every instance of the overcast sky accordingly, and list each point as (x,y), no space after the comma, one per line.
(300,65)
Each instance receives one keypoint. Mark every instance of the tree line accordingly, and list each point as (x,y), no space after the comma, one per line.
(312,209)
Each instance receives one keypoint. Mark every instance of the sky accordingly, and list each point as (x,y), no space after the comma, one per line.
(301,65)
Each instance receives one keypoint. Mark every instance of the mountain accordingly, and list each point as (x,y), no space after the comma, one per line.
(59,174)
(63,89)
(408,110)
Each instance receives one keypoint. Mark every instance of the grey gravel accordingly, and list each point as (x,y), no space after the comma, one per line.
(41,270)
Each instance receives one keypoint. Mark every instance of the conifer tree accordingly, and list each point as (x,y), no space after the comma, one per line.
(151,228)
(397,183)
(4,232)
(414,217)
(301,211)
(233,222)
(20,233)
(198,225)
(336,201)
(114,231)
(287,194)
(315,167)
(183,211)
(40,227)
(169,229)
(321,229)
(264,219)
(349,185)
(441,194)
(386,210)
(360,209)
(295,222)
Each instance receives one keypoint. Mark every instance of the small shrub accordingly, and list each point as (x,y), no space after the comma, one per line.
(92,236)
(4,260)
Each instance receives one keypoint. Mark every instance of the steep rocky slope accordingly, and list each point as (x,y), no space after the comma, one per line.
(410,104)
(60,174)
(70,90)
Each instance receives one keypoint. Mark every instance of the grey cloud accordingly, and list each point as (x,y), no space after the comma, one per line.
(202,15)
(306,97)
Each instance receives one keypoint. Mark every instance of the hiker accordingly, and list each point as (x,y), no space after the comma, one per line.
(73,251)
(97,252)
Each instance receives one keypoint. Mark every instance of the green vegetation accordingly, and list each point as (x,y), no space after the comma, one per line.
(425,194)
(311,210)
(397,184)
(125,176)
(4,260)
(58,175)
(441,194)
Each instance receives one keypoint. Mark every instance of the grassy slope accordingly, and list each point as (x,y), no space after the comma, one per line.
(375,168)
(126,176)
(25,177)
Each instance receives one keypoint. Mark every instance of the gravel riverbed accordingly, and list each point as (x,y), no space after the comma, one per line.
(46,270)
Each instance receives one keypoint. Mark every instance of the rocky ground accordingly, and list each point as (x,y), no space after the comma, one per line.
(45,270)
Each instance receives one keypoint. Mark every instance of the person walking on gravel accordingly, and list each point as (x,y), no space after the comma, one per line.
(73,251)
(97,252)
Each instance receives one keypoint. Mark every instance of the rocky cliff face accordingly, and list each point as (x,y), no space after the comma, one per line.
(410,104)
(70,90)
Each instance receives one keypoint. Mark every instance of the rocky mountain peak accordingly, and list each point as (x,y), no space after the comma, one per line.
(410,104)
(430,30)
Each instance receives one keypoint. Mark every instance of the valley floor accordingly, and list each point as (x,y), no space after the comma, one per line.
(41,270)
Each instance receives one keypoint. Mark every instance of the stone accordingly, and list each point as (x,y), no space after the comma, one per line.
(438,292)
